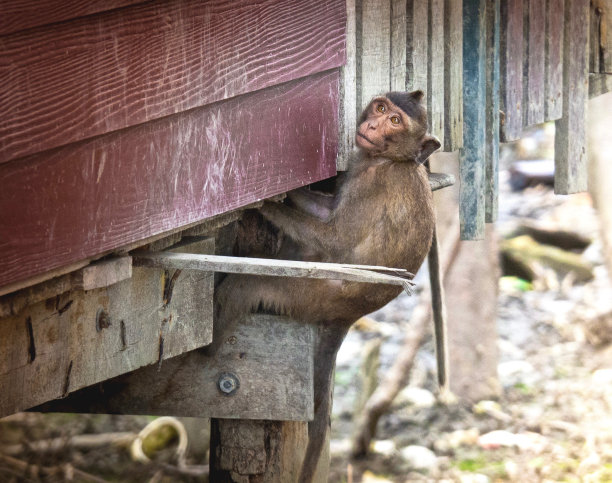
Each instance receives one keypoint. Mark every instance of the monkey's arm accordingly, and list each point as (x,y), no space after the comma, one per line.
(301,227)
(315,203)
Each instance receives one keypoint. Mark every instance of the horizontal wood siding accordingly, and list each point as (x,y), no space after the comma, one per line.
(92,197)
(96,74)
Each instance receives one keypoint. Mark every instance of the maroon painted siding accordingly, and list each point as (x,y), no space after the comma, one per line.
(132,122)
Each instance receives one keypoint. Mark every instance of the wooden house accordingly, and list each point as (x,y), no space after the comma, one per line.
(130,126)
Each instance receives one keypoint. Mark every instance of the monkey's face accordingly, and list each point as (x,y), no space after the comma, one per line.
(386,130)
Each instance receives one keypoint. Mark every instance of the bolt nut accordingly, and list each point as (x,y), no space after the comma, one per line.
(228,383)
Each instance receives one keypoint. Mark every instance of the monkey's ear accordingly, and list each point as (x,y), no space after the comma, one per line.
(417,95)
(428,146)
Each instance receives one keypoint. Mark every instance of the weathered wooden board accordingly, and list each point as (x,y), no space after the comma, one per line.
(534,44)
(348,125)
(270,357)
(600,59)
(599,84)
(24,14)
(398,46)
(453,75)
(83,337)
(85,199)
(375,49)
(472,169)
(417,44)
(96,74)
(512,68)
(570,134)
(492,111)
(435,54)
(554,59)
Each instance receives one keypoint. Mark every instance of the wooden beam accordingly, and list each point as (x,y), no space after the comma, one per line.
(276,268)
(472,169)
(453,75)
(511,41)
(534,44)
(435,70)
(349,114)
(266,362)
(375,49)
(492,111)
(570,134)
(103,274)
(417,41)
(554,59)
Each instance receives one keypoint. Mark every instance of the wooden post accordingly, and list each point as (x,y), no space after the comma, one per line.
(472,173)
(512,68)
(492,114)
(453,75)
(533,81)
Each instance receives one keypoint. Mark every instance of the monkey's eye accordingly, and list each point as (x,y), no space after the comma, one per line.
(381,108)
(395,119)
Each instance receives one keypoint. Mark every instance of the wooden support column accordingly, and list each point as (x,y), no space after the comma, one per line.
(472,171)
(570,136)
(512,68)
(492,114)
(534,49)
(453,75)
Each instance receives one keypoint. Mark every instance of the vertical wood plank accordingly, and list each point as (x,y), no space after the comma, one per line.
(606,37)
(453,75)
(348,124)
(570,137)
(435,87)
(594,31)
(512,68)
(398,46)
(533,82)
(417,32)
(492,111)
(554,60)
(376,49)
(472,169)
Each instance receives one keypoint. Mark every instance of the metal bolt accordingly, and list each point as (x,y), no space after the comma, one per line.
(228,383)
(232,339)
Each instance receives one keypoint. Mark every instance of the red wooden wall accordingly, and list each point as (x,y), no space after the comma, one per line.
(122,124)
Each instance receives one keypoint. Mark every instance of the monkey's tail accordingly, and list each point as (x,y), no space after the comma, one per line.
(329,339)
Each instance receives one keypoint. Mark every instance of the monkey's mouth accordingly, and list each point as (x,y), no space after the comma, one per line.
(362,136)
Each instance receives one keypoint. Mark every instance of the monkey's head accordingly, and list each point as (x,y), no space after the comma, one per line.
(394,126)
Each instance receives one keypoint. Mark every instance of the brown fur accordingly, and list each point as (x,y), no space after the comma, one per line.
(382,215)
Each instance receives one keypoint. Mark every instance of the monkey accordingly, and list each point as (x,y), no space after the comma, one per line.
(381,214)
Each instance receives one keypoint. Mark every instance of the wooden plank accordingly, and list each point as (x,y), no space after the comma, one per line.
(271,358)
(24,14)
(417,39)
(554,59)
(472,168)
(103,274)
(105,193)
(570,134)
(533,83)
(398,46)
(453,75)
(80,338)
(594,37)
(605,36)
(435,75)
(348,126)
(375,49)
(599,84)
(277,268)
(98,74)
(492,111)
(512,68)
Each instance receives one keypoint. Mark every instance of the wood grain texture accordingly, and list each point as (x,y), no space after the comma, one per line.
(453,75)
(554,60)
(435,74)
(24,14)
(533,83)
(605,37)
(348,125)
(594,37)
(570,134)
(97,74)
(272,357)
(472,168)
(375,49)
(512,68)
(599,84)
(83,337)
(102,194)
(417,41)
(398,46)
(492,111)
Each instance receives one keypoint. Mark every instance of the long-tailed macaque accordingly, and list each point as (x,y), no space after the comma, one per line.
(382,214)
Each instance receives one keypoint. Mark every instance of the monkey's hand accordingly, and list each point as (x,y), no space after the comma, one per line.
(301,227)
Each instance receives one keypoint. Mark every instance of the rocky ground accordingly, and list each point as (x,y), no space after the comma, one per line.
(553,421)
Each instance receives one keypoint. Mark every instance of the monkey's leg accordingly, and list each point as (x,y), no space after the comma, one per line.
(329,339)
(317,204)
(300,226)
